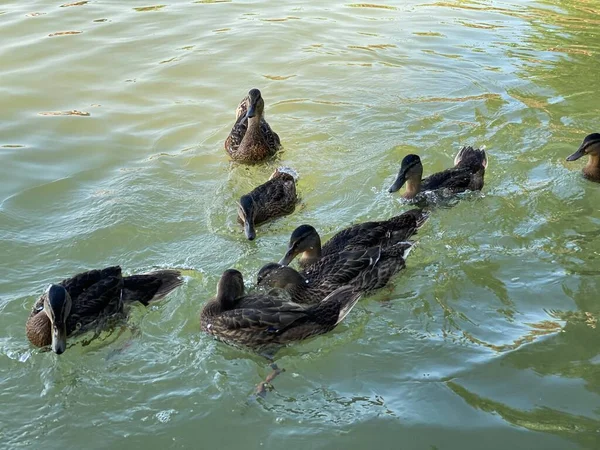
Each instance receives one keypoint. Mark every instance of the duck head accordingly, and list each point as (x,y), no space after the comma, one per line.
(589,146)
(411,172)
(246,213)
(57,306)
(275,275)
(304,241)
(230,288)
(256,104)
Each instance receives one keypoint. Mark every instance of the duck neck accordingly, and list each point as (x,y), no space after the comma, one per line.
(413,187)
(592,169)
(254,124)
(311,256)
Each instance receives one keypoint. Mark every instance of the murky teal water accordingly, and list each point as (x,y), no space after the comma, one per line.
(489,339)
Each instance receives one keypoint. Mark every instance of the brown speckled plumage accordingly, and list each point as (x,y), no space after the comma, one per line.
(274,198)
(261,321)
(365,270)
(251,139)
(305,240)
(97,295)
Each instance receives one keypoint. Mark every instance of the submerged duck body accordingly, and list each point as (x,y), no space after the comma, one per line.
(275,198)
(467,174)
(364,270)
(590,147)
(84,301)
(251,139)
(261,321)
(306,242)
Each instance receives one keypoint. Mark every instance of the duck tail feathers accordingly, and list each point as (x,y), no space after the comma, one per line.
(345,297)
(150,286)
(476,158)
(422,217)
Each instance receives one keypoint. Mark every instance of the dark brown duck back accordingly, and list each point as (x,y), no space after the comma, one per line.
(97,295)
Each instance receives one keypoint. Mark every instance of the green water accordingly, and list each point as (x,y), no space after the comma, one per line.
(487,340)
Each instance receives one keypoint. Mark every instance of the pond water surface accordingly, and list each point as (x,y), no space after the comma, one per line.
(112,126)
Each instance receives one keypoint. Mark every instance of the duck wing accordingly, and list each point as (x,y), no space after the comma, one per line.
(333,271)
(79,283)
(455,178)
(101,299)
(391,261)
(237,133)
(270,136)
(276,197)
(363,234)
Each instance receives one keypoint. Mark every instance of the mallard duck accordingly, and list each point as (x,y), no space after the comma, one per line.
(260,321)
(88,299)
(590,146)
(251,139)
(467,174)
(305,240)
(364,270)
(275,198)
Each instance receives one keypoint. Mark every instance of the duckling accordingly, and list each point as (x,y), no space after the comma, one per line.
(87,300)
(306,242)
(261,321)
(275,198)
(251,139)
(467,174)
(590,146)
(365,270)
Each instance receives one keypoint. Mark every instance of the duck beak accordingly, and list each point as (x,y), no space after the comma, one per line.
(59,338)
(399,181)
(578,154)
(249,230)
(251,112)
(288,257)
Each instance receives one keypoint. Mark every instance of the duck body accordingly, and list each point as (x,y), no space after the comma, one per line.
(365,270)
(251,139)
(467,174)
(89,299)
(275,198)
(306,242)
(261,321)
(590,147)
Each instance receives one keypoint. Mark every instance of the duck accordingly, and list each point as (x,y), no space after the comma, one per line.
(88,299)
(274,198)
(306,242)
(467,174)
(591,147)
(263,322)
(365,270)
(251,139)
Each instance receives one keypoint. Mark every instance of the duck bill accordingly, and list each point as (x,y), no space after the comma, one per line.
(578,154)
(249,230)
(399,181)
(251,112)
(288,257)
(59,338)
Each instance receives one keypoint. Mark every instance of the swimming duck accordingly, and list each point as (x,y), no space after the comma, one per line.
(275,198)
(364,270)
(590,146)
(467,174)
(306,242)
(86,300)
(261,321)
(251,139)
